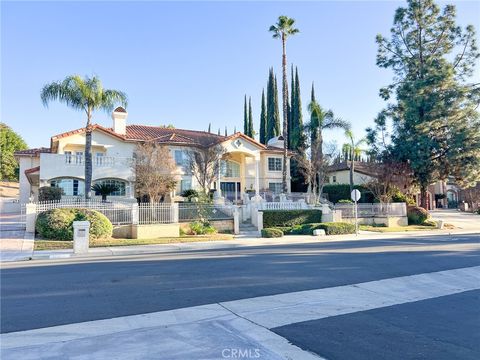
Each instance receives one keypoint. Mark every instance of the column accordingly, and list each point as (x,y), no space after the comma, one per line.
(257,197)
(218,193)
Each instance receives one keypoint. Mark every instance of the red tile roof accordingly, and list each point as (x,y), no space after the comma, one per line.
(120,109)
(33,152)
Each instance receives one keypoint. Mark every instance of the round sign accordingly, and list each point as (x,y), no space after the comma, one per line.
(355,195)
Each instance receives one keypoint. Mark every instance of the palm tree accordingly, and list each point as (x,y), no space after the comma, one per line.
(104,190)
(354,150)
(86,95)
(282,30)
(320,120)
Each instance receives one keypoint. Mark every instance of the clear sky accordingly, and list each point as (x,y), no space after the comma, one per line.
(190,63)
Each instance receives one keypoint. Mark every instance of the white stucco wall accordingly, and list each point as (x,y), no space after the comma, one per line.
(26,162)
(343,177)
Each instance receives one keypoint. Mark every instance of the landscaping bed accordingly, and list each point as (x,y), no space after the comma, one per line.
(331,228)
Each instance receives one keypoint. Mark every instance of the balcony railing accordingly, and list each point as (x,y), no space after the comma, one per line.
(98,161)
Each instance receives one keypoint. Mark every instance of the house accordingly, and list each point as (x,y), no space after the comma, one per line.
(442,194)
(247,164)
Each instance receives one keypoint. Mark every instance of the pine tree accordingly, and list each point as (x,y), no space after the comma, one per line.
(435,120)
(245,116)
(263,120)
(251,131)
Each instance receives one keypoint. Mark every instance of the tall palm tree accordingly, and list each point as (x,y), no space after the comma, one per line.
(86,95)
(321,119)
(354,150)
(282,30)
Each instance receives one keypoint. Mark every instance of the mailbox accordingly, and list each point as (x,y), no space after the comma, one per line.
(81,235)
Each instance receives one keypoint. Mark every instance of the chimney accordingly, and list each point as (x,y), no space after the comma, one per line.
(119,117)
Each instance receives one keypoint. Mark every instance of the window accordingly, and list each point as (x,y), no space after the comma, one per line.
(185,184)
(78,157)
(334,179)
(70,187)
(276,188)
(68,157)
(274,164)
(121,185)
(181,159)
(99,158)
(230,169)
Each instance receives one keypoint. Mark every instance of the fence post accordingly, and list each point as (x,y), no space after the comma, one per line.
(30,217)
(135,214)
(174,209)
(260,222)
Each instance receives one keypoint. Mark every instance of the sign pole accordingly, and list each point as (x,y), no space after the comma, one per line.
(356,218)
(355,195)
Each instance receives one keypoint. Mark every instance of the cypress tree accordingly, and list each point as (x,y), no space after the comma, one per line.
(235,129)
(297,138)
(263,120)
(270,125)
(291,114)
(276,118)
(209,127)
(314,120)
(245,116)
(218,131)
(226,132)
(251,132)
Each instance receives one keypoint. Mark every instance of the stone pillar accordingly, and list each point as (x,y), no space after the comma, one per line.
(236,221)
(30,217)
(81,236)
(257,198)
(260,222)
(135,215)
(174,210)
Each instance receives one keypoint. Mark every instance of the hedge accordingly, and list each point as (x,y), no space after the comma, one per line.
(273,218)
(272,233)
(337,192)
(417,215)
(57,224)
(331,228)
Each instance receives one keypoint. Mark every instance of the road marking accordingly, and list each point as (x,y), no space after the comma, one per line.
(240,325)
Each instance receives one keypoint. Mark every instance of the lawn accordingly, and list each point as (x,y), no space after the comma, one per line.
(397,228)
(58,244)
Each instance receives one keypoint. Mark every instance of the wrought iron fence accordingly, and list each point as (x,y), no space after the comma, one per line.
(199,211)
(372,210)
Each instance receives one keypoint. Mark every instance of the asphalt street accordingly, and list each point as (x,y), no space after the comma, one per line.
(40,294)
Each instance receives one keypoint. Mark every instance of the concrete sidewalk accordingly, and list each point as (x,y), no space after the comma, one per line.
(15,243)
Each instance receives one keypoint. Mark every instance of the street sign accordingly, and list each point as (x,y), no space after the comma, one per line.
(355,195)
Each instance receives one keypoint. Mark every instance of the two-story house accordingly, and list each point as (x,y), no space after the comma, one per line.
(248,164)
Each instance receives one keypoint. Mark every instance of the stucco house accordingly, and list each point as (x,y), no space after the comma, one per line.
(364,172)
(248,164)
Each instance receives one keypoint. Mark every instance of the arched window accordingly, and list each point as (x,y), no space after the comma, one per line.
(230,169)
(121,185)
(70,186)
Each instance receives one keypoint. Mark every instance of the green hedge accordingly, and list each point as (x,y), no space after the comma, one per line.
(417,215)
(337,192)
(330,228)
(57,224)
(274,218)
(272,233)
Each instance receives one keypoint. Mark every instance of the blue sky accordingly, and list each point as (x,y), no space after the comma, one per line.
(190,63)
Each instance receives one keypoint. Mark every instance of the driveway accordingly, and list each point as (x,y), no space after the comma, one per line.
(15,244)
(461,220)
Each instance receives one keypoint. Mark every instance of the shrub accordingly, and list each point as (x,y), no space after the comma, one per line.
(190,194)
(345,201)
(330,228)
(273,218)
(398,196)
(417,215)
(337,192)
(201,228)
(272,233)
(48,193)
(57,224)
(429,222)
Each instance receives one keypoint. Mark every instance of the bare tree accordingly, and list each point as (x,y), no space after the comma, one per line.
(155,171)
(388,178)
(205,164)
(471,195)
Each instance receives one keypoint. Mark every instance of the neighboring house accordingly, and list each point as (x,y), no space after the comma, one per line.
(364,172)
(248,164)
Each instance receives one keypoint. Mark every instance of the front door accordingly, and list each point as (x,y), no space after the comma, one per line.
(230,190)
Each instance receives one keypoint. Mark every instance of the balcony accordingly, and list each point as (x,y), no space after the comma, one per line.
(66,165)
